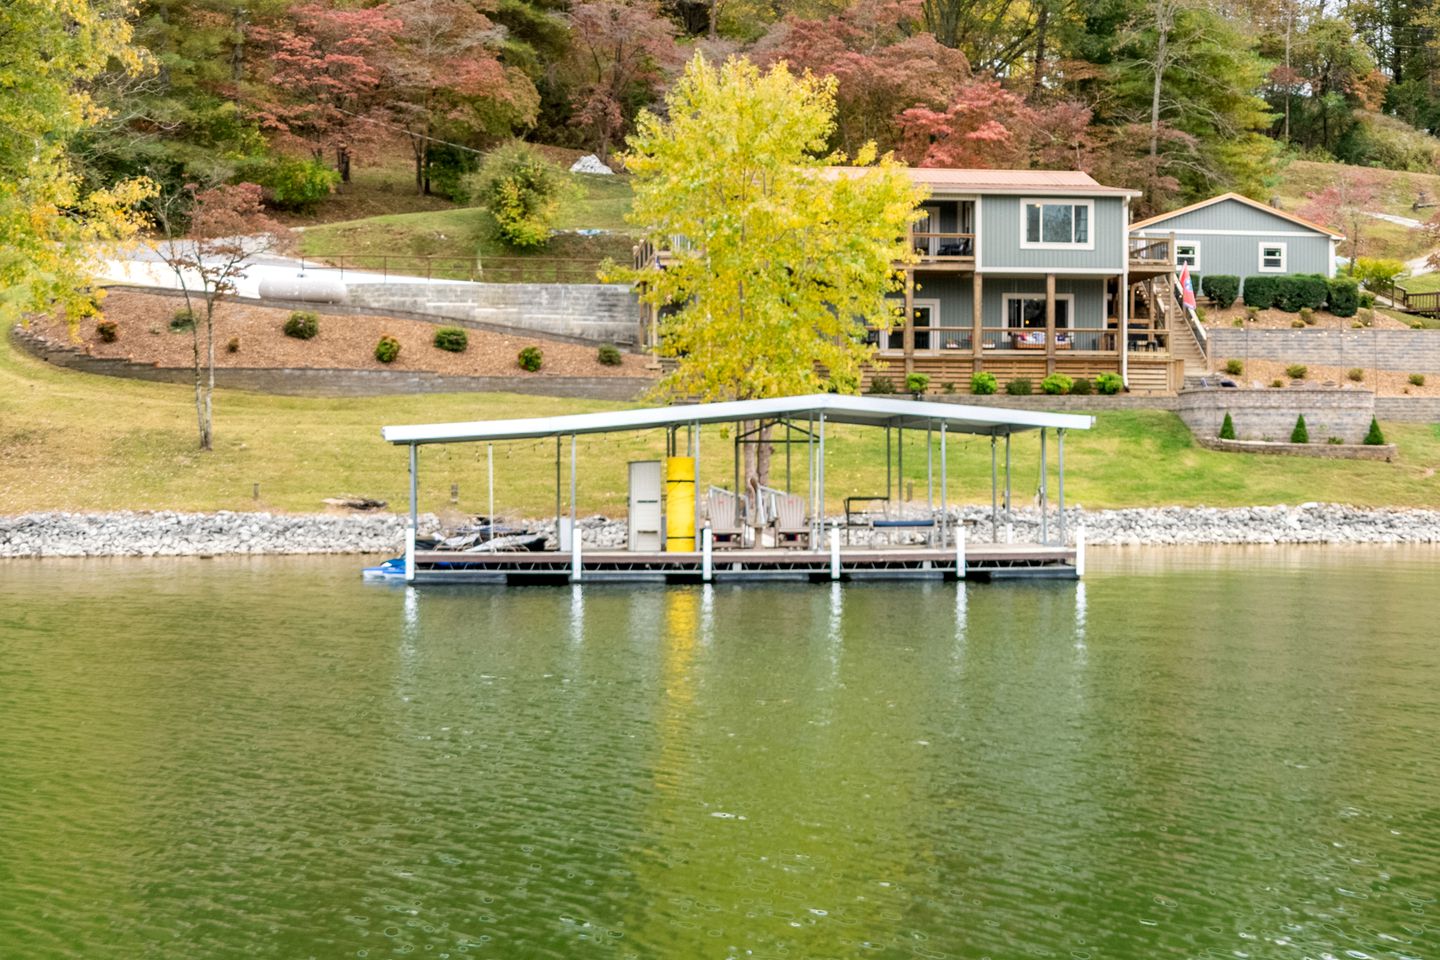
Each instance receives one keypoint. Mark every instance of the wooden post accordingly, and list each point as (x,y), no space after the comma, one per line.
(1049,323)
(909,334)
(977,320)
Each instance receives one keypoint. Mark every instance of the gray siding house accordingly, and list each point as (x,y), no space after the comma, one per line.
(1235,235)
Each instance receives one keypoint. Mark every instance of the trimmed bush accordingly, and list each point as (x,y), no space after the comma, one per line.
(387,348)
(882,385)
(1307,316)
(1356,374)
(1252,314)
(917,383)
(1277,383)
(1057,384)
(108,331)
(1234,367)
(1417,379)
(1222,288)
(522,191)
(1109,384)
(530,359)
(232,345)
(1300,434)
(1344,296)
(1260,292)
(184,319)
(1374,438)
(1227,428)
(1081,387)
(302,325)
(1300,291)
(609,355)
(1019,387)
(983,384)
(452,339)
(1367,299)
(1298,324)
(1296,371)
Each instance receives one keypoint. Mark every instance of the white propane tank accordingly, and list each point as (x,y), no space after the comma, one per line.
(305,287)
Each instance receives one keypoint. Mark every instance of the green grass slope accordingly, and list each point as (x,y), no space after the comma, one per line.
(75,441)
(1399,192)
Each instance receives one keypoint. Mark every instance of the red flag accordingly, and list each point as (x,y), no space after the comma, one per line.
(1187,291)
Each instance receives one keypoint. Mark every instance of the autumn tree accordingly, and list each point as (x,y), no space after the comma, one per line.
(209,238)
(49,51)
(1344,205)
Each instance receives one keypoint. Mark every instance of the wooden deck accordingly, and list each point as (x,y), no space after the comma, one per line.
(981,561)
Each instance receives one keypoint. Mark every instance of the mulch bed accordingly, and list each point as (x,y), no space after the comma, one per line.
(1386,383)
(344,342)
(1280,320)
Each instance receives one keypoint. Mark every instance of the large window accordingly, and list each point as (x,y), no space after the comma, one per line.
(1272,258)
(1053,224)
(1028,310)
(1188,253)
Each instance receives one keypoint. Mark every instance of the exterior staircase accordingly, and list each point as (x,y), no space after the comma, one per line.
(1183,344)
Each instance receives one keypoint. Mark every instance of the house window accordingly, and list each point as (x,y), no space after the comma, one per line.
(1188,253)
(1027,310)
(1272,258)
(927,317)
(1051,224)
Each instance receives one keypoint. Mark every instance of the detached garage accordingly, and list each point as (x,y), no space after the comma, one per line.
(1235,235)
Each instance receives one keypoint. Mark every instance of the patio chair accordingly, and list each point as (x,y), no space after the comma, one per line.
(792,527)
(725,517)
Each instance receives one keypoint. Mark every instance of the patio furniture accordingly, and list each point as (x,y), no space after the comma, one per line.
(788,520)
(725,511)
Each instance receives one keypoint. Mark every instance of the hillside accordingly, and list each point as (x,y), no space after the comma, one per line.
(1399,192)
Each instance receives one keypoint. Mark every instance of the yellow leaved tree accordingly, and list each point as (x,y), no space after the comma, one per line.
(50,225)
(787,256)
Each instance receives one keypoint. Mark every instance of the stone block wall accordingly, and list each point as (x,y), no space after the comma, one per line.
(595,312)
(1408,409)
(1271,414)
(1407,351)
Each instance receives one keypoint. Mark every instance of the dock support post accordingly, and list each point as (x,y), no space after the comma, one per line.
(834,553)
(944,493)
(490,486)
(1044,492)
(557,494)
(994,505)
(959,552)
(1060,455)
(1009,516)
(707,560)
(820,471)
(409,554)
(414,513)
(574,442)
(1080,551)
(930,475)
(695,478)
(576,562)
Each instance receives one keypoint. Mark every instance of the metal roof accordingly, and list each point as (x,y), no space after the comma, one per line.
(837,408)
(1238,198)
(962,180)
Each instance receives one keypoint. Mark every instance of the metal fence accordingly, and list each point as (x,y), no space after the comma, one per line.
(473,269)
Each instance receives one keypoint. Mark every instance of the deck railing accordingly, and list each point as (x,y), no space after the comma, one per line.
(1152,250)
(944,246)
(1031,340)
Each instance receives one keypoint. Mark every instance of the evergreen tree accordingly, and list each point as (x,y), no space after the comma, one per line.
(1227,429)
(1300,434)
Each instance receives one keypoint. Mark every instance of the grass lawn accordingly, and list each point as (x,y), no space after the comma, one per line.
(81,442)
(600,203)
(1398,192)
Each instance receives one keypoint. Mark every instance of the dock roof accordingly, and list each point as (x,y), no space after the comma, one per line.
(836,408)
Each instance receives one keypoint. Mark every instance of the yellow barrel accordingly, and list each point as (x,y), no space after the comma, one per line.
(680,504)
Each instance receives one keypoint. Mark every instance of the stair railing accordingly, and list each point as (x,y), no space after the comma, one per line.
(1191,318)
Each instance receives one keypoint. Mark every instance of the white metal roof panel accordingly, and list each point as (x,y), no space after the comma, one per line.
(837,408)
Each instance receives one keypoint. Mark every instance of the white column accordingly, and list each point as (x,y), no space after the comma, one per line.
(576,563)
(409,554)
(960,551)
(834,553)
(1080,550)
(707,545)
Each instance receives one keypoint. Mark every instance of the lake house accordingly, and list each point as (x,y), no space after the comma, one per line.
(1024,273)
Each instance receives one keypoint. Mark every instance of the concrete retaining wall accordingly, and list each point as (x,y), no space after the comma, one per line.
(1320,451)
(1094,403)
(1408,409)
(596,312)
(1407,351)
(325,382)
(1271,414)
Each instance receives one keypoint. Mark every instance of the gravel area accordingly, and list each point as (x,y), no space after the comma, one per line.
(131,534)
(344,342)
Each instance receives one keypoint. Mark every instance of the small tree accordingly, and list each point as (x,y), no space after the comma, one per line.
(522,191)
(228,228)
(1227,428)
(1300,434)
(1374,438)
(1345,205)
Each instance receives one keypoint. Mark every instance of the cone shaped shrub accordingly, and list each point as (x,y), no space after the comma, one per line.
(1374,438)
(1300,434)
(1227,429)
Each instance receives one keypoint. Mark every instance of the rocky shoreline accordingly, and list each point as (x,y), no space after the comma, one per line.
(169,533)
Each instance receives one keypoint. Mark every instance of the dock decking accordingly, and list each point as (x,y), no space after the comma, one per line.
(980,561)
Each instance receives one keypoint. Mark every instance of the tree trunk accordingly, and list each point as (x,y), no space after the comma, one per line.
(342,162)
(237,46)
(1042,20)
(201,421)
(714,18)
(1289,25)
(1155,91)
(419,153)
(207,420)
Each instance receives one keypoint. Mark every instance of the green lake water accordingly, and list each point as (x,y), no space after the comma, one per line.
(1193,754)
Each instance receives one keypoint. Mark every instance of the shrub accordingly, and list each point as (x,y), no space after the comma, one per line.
(882,385)
(232,345)
(1260,292)
(1277,383)
(1019,387)
(1298,324)
(1237,322)
(1367,299)
(1296,371)
(108,331)
(1307,316)
(1356,374)
(948,387)
(1252,314)
(522,192)
(530,359)
(1343,296)
(1417,379)
(292,183)
(1227,428)
(1081,387)
(184,319)
(1335,441)
(1056,384)
(1234,367)
(609,355)
(1221,288)
(387,348)
(1109,384)
(1366,317)
(452,339)
(302,325)
(917,383)
(983,384)
(1200,313)
(1300,434)
(1301,290)
(1374,438)
(1357,325)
